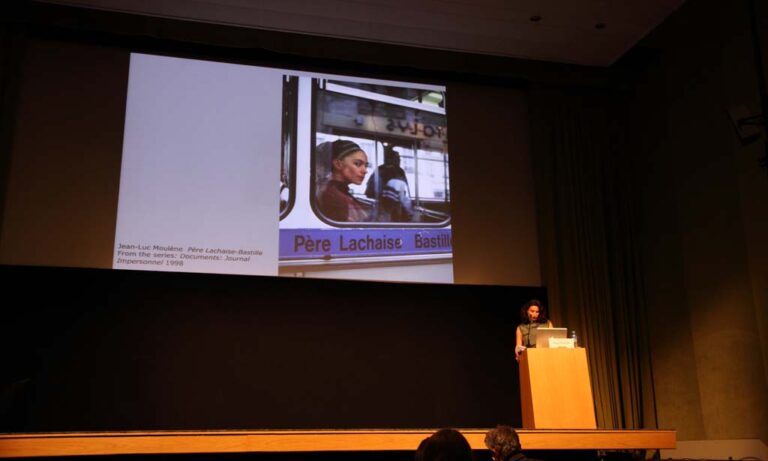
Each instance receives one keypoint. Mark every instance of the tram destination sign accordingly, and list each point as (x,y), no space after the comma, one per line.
(333,243)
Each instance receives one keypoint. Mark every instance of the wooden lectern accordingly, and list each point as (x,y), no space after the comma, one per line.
(555,392)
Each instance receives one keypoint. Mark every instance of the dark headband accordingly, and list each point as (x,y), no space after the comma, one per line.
(342,147)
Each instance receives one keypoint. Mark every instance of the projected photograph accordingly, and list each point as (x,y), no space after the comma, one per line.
(372,181)
(362,168)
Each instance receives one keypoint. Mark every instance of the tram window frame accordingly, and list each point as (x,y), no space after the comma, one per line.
(290,130)
(379,141)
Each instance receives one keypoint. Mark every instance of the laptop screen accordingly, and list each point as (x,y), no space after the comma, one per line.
(543,334)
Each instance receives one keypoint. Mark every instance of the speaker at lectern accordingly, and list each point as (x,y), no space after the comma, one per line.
(555,391)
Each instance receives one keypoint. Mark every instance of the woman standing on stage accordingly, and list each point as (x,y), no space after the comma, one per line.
(532,316)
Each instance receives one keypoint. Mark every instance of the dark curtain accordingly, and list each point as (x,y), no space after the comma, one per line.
(11,53)
(587,209)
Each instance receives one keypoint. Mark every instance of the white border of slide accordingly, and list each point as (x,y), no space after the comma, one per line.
(200,168)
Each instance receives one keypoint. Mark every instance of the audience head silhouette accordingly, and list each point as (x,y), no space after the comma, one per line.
(503,443)
(444,445)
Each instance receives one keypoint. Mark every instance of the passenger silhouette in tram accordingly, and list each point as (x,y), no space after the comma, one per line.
(389,186)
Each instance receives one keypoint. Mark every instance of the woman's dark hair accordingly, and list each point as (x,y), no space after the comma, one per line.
(542,311)
(444,445)
(342,147)
(503,442)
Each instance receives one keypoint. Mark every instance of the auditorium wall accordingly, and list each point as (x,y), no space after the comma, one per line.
(67,113)
(705,220)
(704,211)
(99,349)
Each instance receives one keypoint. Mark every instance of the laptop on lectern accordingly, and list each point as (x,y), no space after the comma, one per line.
(543,334)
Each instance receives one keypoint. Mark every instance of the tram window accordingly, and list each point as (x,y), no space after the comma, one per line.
(288,151)
(404,142)
(409,94)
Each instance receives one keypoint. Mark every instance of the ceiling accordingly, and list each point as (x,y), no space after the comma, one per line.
(586,32)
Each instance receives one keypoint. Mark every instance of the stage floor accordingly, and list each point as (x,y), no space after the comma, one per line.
(242,441)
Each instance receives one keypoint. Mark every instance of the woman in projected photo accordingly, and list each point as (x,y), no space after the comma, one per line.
(532,316)
(349,165)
